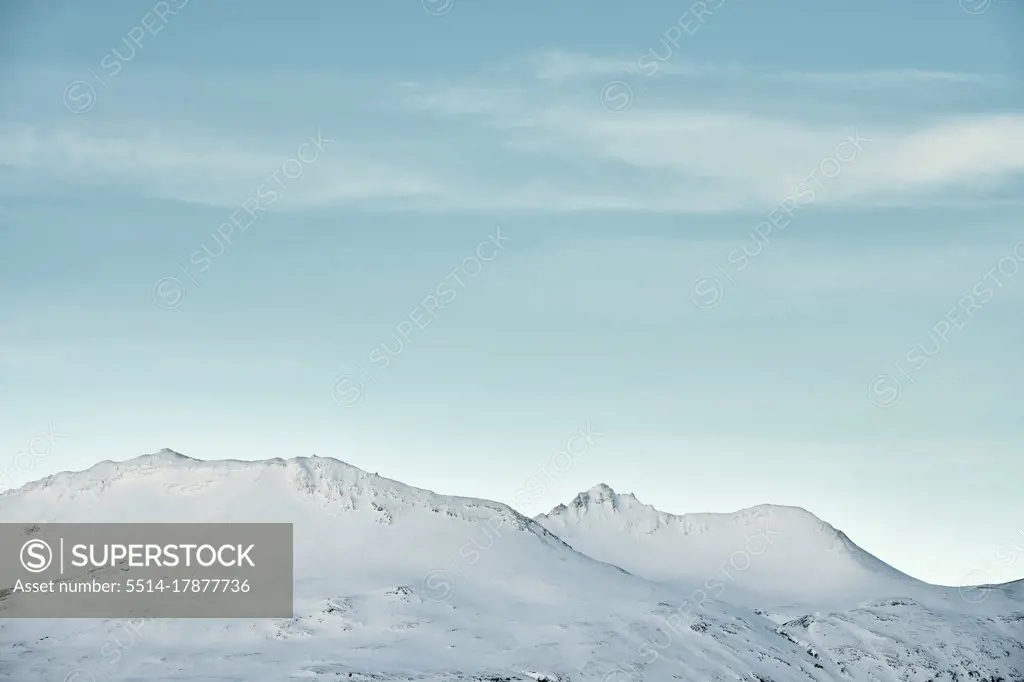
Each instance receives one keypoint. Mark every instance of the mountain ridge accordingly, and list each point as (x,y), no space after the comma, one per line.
(323,475)
(336,482)
(810,560)
(603,493)
(399,584)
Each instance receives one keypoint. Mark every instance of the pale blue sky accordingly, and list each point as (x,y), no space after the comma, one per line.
(627,155)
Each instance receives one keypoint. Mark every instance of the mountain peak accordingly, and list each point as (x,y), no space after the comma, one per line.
(602,492)
(602,495)
(167,455)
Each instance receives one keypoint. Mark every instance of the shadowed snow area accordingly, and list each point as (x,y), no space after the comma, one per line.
(397,583)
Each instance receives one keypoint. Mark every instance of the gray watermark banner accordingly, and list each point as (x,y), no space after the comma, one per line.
(146,570)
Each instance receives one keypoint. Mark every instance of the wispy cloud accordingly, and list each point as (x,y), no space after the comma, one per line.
(532,135)
(720,159)
(194,167)
(561,65)
(890,78)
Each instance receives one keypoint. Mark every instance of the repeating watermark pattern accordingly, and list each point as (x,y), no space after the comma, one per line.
(979,6)
(1005,556)
(683,617)
(885,390)
(439,584)
(24,462)
(535,487)
(437,7)
(349,390)
(170,292)
(122,637)
(975,6)
(80,95)
(707,291)
(617,95)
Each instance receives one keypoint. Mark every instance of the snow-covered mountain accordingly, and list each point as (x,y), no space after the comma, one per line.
(769,552)
(398,583)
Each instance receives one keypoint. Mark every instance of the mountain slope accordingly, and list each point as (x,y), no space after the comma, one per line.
(397,583)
